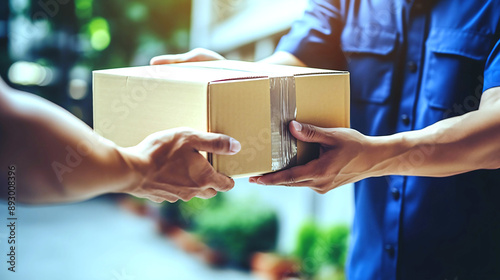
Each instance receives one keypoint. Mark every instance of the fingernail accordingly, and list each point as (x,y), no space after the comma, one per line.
(251,180)
(259,181)
(234,146)
(297,126)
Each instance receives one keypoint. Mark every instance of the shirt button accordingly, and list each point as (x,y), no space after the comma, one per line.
(405,119)
(390,250)
(395,193)
(412,66)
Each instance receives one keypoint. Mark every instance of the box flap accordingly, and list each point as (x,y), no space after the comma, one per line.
(242,110)
(261,68)
(180,72)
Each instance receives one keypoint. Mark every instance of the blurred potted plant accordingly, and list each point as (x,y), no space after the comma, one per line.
(238,230)
(322,252)
(182,214)
(222,231)
(133,204)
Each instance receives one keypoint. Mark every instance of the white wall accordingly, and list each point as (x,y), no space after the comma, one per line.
(228,25)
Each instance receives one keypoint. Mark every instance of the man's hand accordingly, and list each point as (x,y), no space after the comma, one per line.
(343,160)
(172,168)
(198,54)
(448,147)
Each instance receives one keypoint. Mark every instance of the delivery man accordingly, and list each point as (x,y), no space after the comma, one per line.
(413,63)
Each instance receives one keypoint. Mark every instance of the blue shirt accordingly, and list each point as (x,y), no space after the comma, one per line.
(413,63)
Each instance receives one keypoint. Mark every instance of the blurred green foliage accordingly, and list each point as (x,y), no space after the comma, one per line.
(118,33)
(238,229)
(234,227)
(320,249)
(183,213)
(70,39)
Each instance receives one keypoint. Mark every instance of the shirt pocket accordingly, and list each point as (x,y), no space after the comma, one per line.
(453,74)
(370,56)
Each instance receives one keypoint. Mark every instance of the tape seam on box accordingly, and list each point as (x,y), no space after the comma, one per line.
(283,110)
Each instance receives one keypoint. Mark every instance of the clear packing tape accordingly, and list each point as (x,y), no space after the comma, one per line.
(283,110)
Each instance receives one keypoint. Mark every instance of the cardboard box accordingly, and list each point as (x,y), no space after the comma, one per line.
(251,102)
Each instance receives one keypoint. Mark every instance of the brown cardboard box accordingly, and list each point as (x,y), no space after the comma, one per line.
(247,101)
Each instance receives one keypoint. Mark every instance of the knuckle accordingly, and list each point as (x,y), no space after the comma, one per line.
(290,178)
(198,50)
(185,137)
(186,196)
(320,190)
(226,187)
(210,193)
(320,171)
(324,188)
(310,131)
(220,143)
(205,176)
(156,199)
(172,199)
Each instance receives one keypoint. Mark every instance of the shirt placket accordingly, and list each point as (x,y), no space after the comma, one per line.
(414,28)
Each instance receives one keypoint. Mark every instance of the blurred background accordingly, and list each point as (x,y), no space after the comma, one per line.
(50,47)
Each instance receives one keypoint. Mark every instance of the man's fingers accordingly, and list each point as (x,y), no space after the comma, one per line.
(198,54)
(288,177)
(222,183)
(206,194)
(216,143)
(308,133)
(306,183)
(168,59)
(160,197)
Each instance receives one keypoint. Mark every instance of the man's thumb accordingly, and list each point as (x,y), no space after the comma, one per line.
(308,133)
(217,144)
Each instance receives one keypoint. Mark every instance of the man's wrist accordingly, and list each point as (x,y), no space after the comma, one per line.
(132,169)
(387,153)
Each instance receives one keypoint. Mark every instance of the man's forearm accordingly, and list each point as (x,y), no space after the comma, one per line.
(448,147)
(58,157)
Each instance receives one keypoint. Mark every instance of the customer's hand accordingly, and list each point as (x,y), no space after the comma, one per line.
(65,161)
(343,159)
(170,166)
(198,54)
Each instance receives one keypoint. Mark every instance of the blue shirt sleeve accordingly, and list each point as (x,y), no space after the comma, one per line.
(315,38)
(492,69)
